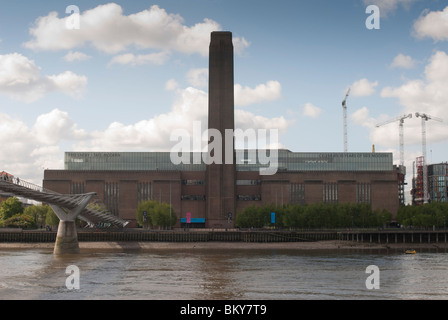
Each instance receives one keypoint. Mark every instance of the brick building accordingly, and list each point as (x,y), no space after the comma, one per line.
(122,180)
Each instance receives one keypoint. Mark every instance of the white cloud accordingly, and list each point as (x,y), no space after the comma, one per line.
(171,85)
(198,77)
(54,126)
(27,150)
(247,120)
(240,45)
(309,110)
(262,92)
(389,6)
(157,58)
(433,25)
(76,56)
(363,87)
(427,95)
(154,134)
(107,29)
(402,61)
(361,116)
(20,79)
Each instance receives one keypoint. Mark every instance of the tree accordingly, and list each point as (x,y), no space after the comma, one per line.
(316,215)
(39,212)
(157,214)
(10,207)
(427,215)
(163,216)
(20,220)
(51,219)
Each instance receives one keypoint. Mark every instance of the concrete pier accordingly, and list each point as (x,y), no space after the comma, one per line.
(66,238)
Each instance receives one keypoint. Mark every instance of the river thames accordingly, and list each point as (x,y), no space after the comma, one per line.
(37,274)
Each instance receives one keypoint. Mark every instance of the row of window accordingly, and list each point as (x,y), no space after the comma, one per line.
(285,159)
(329,193)
(296,192)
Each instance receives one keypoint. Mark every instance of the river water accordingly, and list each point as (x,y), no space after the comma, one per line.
(224,275)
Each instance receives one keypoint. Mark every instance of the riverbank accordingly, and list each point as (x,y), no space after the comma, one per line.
(154,246)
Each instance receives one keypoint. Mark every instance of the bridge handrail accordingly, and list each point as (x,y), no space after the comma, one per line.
(95,207)
(26,184)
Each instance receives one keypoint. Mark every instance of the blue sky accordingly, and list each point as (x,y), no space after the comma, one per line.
(116,85)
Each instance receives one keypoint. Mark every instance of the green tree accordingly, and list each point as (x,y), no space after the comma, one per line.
(164,216)
(427,215)
(10,207)
(317,215)
(157,214)
(51,219)
(39,212)
(20,220)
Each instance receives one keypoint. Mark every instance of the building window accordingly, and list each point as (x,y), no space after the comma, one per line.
(438,188)
(255,197)
(297,193)
(248,182)
(193,197)
(193,182)
(330,193)
(363,191)
(77,188)
(144,191)
(111,196)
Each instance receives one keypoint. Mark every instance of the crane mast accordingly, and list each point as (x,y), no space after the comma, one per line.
(402,169)
(344,118)
(425,117)
(400,131)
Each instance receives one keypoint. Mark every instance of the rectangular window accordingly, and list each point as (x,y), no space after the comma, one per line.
(111,196)
(253,197)
(193,182)
(77,188)
(297,193)
(144,191)
(363,192)
(330,193)
(193,197)
(248,182)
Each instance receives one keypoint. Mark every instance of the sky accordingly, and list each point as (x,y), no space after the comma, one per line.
(132,72)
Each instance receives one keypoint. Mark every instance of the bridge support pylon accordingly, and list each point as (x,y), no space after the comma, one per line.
(67,236)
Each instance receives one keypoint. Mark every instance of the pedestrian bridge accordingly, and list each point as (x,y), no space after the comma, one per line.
(68,207)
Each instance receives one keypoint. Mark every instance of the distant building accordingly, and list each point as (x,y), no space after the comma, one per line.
(438,182)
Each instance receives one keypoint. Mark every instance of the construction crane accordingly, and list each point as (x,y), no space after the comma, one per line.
(425,117)
(344,109)
(400,131)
